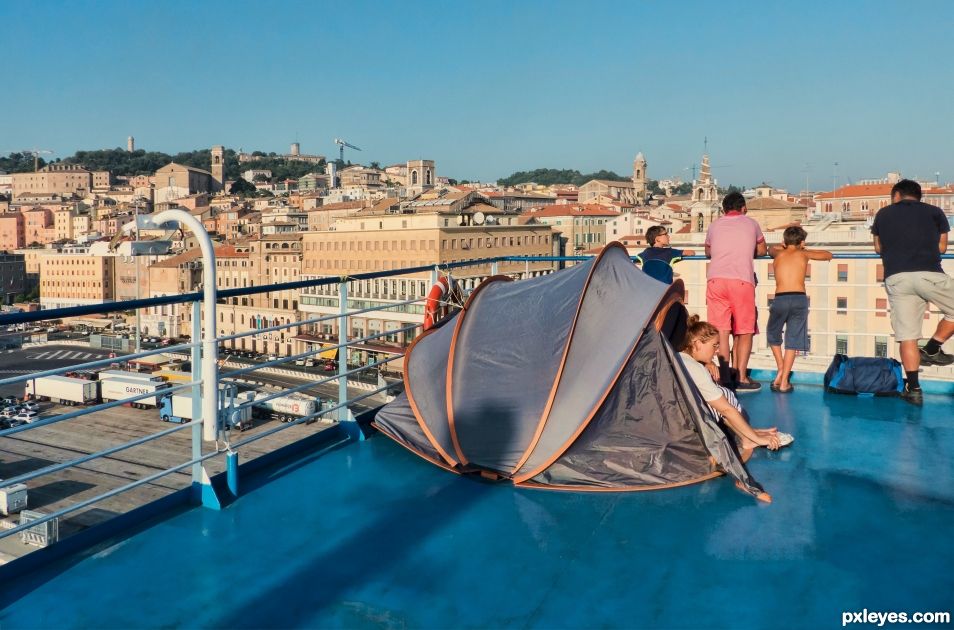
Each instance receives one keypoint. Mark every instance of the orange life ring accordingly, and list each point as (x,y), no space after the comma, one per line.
(436,306)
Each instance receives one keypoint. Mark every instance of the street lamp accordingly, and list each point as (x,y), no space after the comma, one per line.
(168,220)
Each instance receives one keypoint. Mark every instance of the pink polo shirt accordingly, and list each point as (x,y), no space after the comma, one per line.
(732,240)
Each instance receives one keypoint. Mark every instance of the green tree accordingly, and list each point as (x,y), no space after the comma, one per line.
(682,189)
(550,176)
(242,188)
(18,162)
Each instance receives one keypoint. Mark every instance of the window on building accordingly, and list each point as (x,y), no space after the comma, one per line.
(881,347)
(842,273)
(771,271)
(879,272)
(841,344)
(842,305)
(882,305)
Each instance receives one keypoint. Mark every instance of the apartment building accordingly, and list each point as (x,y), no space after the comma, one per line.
(63,224)
(11,231)
(53,179)
(175,275)
(582,225)
(384,242)
(321,218)
(260,261)
(76,277)
(860,201)
(38,226)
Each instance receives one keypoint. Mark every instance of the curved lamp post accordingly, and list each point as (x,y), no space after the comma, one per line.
(167,219)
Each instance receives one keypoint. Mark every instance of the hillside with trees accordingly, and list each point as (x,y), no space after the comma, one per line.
(19,163)
(550,176)
(128,163)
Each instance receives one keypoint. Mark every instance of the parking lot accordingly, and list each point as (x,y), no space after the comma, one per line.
(43,446)
(62,441)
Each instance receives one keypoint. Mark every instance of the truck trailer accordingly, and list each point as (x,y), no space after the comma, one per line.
(177,408)
(105,375)
(287,408)
(122,388)
(62,390)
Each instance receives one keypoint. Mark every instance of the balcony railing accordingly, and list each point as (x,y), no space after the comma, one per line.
(339,412)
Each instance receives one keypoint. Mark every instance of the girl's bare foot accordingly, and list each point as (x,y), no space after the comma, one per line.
(761,496)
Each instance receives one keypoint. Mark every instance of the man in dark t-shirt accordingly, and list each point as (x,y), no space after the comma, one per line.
(911,236)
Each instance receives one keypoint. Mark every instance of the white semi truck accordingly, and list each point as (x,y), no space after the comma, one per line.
(122,388)
(128,375)
(178,408)
(287,408)
(63,390)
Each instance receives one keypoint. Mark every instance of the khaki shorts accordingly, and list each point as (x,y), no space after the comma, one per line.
(909,294)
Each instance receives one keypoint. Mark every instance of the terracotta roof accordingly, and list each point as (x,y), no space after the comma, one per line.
(382,206)
(229,251)
(685,229)
(859,190)
(571,209)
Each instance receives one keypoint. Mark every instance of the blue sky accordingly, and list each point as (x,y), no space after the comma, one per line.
(487,88)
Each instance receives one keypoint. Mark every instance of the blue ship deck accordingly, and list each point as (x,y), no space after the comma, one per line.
(368,535)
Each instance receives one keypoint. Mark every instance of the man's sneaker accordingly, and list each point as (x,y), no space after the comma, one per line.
(938,358)
(744,388)
(913,395)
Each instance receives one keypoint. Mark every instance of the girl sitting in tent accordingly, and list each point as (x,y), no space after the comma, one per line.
(698,349)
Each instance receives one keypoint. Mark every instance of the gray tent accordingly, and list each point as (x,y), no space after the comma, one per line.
(566,381)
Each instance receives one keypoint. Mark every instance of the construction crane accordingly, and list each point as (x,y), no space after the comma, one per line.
(341,147)
(36,156)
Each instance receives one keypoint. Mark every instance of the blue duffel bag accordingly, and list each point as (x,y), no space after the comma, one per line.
(864,375)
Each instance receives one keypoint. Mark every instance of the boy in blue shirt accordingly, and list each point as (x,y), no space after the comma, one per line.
(658,259)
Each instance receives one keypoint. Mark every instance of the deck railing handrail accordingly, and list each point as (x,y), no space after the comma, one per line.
(341,376)
(128,305)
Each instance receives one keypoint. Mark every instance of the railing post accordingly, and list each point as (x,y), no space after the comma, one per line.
(493,268)
(526,272)
(435,274)
(197,476)
(343,412)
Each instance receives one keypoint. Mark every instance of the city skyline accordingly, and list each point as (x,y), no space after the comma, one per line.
(496,89)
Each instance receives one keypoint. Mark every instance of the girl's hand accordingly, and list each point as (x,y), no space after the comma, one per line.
(769,441)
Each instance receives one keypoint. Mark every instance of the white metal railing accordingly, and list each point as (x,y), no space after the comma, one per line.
(222,445)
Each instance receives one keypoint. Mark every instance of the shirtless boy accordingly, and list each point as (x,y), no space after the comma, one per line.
(790,308)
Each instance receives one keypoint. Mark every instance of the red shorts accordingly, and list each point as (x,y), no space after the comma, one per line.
(731,305)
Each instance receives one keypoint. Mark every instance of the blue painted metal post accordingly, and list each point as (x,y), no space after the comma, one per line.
(231,473)
(343,412)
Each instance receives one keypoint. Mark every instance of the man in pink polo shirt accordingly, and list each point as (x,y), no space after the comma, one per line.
(733,241)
